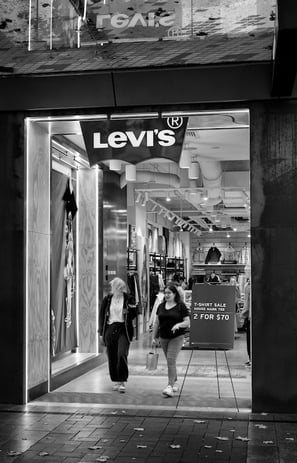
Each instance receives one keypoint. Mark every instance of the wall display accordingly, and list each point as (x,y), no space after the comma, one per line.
(212,317)
(63,314)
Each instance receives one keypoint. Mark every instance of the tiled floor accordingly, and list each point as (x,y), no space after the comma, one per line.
(85,421)
(208,380)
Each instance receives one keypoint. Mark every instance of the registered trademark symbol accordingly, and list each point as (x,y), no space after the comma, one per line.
(174,122)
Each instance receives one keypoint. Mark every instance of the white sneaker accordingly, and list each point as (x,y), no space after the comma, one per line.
(168,391)
(122,388)
(116,386)
(175,387)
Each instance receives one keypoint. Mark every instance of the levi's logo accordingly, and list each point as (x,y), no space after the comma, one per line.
(121,20)
(120,139)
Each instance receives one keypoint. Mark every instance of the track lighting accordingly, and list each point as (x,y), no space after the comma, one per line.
(130,171)
(194,171)
(138,197)
(185,159)
(205,195)
(115,164)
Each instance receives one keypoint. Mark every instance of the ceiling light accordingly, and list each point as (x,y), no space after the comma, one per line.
(168,198)
(228,235)
(194,171)
(234,229)
(205,195)
(130,171)
(249,235)
(143,202)
(125,116)
(185,159)
(210,229)
(115,164)
(138,197)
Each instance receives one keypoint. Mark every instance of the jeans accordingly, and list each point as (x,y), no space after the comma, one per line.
(117,348)
(171,348)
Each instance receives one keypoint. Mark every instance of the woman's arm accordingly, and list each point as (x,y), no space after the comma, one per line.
(102,315)
(184,324)
(156,331)
(132,307)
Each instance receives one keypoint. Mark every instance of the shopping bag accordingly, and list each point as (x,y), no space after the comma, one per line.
(152,360)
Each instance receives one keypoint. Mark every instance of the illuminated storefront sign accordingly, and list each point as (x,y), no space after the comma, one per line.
(134,140)
(212,316)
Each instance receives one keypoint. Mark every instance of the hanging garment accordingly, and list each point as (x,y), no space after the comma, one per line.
(213,255)
(62,297)
(154,288)
(69,198)
(159,298)
(198,256)
(230,255)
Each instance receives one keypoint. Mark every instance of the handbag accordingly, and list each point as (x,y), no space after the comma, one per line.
(152,358)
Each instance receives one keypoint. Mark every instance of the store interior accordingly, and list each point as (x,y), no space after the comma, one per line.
(149,222)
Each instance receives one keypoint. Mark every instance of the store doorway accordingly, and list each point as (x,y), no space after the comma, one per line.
(174,214)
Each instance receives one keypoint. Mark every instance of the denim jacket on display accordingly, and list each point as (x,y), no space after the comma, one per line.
(129,315)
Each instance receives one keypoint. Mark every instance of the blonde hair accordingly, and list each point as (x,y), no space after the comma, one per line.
(118,284)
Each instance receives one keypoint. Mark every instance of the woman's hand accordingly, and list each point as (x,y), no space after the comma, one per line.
(154,342)
(175,328)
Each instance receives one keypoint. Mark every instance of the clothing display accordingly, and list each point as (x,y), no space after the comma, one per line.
(134,287)
(63,283)
(158,300)
(230,255)
(198,256)
(213,255)
(154,287)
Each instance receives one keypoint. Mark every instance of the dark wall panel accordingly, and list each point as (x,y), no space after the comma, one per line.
(192,85)
(56,92)
(274,256)
(12,258)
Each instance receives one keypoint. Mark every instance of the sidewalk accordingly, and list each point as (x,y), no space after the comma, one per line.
(73,434)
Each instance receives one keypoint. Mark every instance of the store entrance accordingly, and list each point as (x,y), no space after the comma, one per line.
(154,220)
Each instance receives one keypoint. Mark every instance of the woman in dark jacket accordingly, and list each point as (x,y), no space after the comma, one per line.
(116,328)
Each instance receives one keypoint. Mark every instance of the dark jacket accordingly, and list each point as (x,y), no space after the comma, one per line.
(131,312)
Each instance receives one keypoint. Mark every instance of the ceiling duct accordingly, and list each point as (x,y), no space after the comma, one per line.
(145,176)
(211,172)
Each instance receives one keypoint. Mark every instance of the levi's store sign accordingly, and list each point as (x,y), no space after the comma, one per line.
(134,140)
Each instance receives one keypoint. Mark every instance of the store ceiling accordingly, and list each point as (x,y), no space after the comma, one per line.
(218,200)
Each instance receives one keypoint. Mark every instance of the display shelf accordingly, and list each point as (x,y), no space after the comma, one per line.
(225,271)
(175,266)
(167,266)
